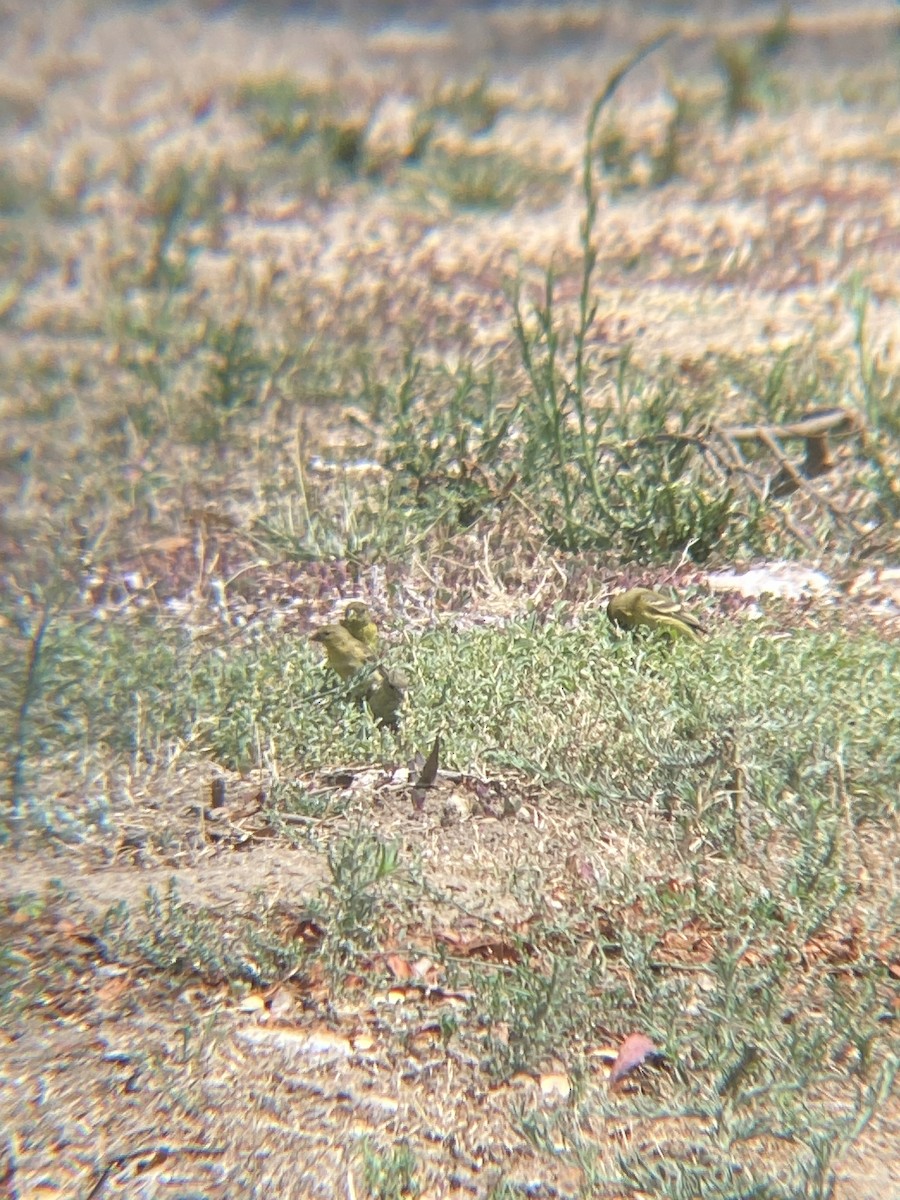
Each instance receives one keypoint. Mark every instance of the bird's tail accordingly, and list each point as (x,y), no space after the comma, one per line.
(681,623)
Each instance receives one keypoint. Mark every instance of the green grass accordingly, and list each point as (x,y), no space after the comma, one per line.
(568,702)
(483,178)
(390,1175)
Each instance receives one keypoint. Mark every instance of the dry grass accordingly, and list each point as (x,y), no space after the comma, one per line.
(257,357)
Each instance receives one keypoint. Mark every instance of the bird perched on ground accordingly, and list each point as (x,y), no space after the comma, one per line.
(385,696)
(343,653)
(357,620)
(640,606)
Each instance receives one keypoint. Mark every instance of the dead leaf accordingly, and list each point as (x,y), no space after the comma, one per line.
(309,932)
(450,937)
(280,1002)
(488,949)
(429,772)
(426,1036)
(693,942)
(71,929)
(398,966)
(455,999)
(555,1084)
(113,988)
(168,545)
(633,1052)
(424,968)
(834,946)
(582,869)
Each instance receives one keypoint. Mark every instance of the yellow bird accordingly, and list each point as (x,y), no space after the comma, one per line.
(357,620)
(385,696)
(640,606)
(343,653)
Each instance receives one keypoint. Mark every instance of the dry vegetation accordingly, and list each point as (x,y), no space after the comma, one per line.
(294,311)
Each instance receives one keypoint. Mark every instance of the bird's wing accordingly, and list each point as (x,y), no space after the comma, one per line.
(662,606)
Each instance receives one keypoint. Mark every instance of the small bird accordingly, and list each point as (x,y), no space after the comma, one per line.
(385,696)
(640,606)
(357,620)
(343,653)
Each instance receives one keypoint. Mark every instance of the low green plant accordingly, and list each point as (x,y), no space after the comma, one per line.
(182,939)
(740,67)
(474,105)
(529,1015)
(610,470)
(456,448)
(309,137)
(667,163)
(184,205)
(285,109)
(743,65)
(483,178)
(360,866)
(390,1174)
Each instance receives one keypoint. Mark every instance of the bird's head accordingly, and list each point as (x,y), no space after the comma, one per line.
(328,635)
(356,611)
